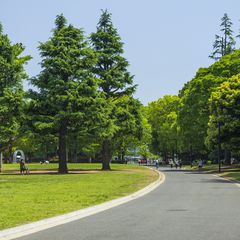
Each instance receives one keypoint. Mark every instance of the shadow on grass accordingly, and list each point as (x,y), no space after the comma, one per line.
(55,171)
(50,172)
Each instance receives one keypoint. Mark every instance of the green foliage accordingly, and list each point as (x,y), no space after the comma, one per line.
(116,84)
(37,145)
(225,108)
(144,143)
(66,86)
(162,116)
(67,89)
(193,115)
(111,66)
(11,93)
(84,98)
(135,136)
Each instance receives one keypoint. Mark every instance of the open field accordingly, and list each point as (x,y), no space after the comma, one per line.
(44,193)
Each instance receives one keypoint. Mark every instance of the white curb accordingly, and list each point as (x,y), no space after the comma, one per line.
(228,180)
(30,228)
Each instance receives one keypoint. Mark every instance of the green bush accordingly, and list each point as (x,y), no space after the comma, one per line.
(209,162)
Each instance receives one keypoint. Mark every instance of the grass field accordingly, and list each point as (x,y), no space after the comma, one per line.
(42,194)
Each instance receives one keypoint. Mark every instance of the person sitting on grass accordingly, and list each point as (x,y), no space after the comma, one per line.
(23,167)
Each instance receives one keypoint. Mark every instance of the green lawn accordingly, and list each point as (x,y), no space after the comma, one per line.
(27,198)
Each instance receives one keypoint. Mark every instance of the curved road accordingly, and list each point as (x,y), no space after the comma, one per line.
(187,206)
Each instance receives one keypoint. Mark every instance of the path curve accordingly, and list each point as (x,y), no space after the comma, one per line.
(44,224)
(188,206)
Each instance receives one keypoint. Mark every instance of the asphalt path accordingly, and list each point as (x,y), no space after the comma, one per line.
(188,205)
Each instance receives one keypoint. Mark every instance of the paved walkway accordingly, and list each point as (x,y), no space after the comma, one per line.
(187,206)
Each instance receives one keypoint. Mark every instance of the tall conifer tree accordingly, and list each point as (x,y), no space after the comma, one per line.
(225,43)
(115,80)
(67,88)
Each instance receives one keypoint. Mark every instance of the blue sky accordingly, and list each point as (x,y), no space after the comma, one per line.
(165,41)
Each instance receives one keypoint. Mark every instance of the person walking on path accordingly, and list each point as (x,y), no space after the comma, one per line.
(157,164)
(180,164)
(171,163)
(176,164)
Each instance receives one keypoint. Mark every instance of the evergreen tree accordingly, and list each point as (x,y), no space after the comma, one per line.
(11,91)
(115,80)
(67,89)
(225,43)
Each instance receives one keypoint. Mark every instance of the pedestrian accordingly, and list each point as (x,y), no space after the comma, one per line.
(23,167)
(180,164)
(176,164)
(171,163)
(157,164)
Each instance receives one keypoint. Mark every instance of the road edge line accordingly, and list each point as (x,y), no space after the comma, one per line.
(237,183)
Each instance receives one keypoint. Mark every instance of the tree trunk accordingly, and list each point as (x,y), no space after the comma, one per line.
(75,156)
(173,157)
(164,155)
(63,156)
(123,156)
(106,155)
(10,152)
(75,151)
(46,152)
(1,162)
(191,156)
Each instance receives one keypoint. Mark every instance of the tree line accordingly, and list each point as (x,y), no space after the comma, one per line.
(82,102)
(205,116)
(83,99)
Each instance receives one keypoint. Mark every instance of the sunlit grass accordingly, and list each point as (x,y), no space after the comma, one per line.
(27,198)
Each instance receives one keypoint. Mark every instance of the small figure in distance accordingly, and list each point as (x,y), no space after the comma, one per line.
(176,164)
(200,164)
(44,161)
(157,164)
(171,163)
(23,167)
(180,164)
